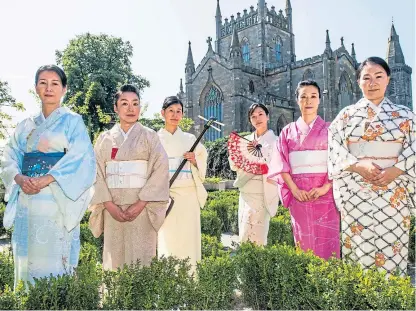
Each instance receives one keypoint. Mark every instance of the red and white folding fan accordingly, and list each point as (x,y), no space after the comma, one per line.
(247,155)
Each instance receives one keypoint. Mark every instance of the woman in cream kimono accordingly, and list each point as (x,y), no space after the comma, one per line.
(259,196)
(180,235)
(40,162)
(372,164)
(132,186)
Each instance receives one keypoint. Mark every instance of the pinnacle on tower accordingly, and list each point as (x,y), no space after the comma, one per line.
(328,50)
(394,51)
(190,65)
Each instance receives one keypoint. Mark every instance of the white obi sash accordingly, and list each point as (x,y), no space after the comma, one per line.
(185,172)
(308,161)
(126,174)
(384,154)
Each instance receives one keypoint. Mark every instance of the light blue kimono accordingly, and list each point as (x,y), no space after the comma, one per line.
(46,232)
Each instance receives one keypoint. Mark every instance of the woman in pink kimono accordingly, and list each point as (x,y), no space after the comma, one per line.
(301,173)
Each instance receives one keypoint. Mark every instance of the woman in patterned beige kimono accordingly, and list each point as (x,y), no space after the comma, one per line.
(132,187)
(259,196)
(180,234)
(372,162)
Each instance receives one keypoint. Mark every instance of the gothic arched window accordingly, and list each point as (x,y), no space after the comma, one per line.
(345,91)
(308,75)
(281,123)
(251,86)
(278,49)
(392,87)
(213,108)
(246,51)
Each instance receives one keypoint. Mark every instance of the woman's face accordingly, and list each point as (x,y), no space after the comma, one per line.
(49,88)
(308,100)
(173,114)
(128,107)
(258,118)
(373,81)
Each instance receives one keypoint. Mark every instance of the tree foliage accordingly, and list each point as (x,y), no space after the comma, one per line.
(6,100)
(96,65)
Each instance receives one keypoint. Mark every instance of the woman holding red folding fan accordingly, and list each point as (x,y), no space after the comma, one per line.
(250,157)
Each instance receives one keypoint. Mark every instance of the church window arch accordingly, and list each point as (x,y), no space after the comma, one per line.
(278,49)
(281,123)
(251,86)
(246,51)
(213,108)
(345,96)
(392,87)
(308,75)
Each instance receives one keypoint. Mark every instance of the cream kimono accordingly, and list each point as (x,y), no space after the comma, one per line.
(259,198)
(128,170)
(375,220)
(180,235)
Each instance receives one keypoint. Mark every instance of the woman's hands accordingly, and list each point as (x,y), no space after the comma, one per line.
(33,185)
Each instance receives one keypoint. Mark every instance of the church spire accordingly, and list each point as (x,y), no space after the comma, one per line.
(190,66)
(218,26)
(288,6)
(235,49)
(181,87)
(328,50)
(353,52)
(394,51)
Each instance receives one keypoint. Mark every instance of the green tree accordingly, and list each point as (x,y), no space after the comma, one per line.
(96,65)
(6,100)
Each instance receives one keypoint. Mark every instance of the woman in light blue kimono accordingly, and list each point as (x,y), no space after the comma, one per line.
(48,169)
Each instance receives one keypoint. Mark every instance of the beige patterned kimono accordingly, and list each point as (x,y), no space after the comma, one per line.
(259,198)
(375,220)
(128,170)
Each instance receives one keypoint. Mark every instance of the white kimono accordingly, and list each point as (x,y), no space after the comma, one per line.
(259,198)
(180,234)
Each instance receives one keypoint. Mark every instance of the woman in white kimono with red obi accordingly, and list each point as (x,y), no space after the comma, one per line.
(180,234)
(301,172)
(259,197)
(48,169)
(372,162)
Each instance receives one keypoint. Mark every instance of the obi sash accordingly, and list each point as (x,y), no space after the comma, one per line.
(185,172)
(308,161)
(126,174)
(384,154)
(36,164)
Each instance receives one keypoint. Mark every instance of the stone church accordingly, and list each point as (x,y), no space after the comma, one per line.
(254,61)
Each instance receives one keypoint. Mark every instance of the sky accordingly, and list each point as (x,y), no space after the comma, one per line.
(159,31)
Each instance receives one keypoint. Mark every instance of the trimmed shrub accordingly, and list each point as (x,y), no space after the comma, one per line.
(216,283)
(6,270)
(226,207)
(86,237)
(77,291)
(280,230)
(165,284)
(282,277)
(211,247)
(210,223)
(412,240)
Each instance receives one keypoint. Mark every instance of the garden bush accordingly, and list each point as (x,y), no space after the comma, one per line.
(6,270)
(211,247)
(87,237)
(225,204)
(211,223)
(280,230)
(282,277)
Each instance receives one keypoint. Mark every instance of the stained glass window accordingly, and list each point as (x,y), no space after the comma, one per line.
(246,53)
(213,108)
(278,52)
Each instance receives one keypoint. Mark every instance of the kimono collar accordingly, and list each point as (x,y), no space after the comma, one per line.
(303,127)
(268,134)
(165,132)
(39,118)
(125,135)
(365,103)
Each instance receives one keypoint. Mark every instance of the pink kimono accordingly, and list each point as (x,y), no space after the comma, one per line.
(303,153)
